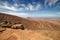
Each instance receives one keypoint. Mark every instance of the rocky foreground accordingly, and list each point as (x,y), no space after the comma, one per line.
(17,34)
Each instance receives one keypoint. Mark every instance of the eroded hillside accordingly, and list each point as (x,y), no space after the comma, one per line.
(17,28)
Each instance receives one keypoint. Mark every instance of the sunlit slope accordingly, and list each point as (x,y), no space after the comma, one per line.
(33,24)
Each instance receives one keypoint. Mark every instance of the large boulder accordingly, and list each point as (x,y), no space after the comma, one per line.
(18,26)
(6,25)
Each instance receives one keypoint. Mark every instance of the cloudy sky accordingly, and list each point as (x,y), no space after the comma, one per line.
(31,8)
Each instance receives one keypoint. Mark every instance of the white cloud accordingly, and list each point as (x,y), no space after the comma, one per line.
(6,6)
(50,2)
(29,7)
(38,6)
(24,15)
(16,6)
(32,7)
(54,1)
(10,8)
(26,8)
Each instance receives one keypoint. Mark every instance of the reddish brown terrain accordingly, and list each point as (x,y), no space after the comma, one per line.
(31,29)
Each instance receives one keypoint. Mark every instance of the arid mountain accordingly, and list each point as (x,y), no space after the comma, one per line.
(33,24)
(28,24)
(34,29)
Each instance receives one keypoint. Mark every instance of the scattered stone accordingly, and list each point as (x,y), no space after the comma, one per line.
(18,26)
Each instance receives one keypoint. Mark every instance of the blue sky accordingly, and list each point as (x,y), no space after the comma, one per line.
(31,8)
